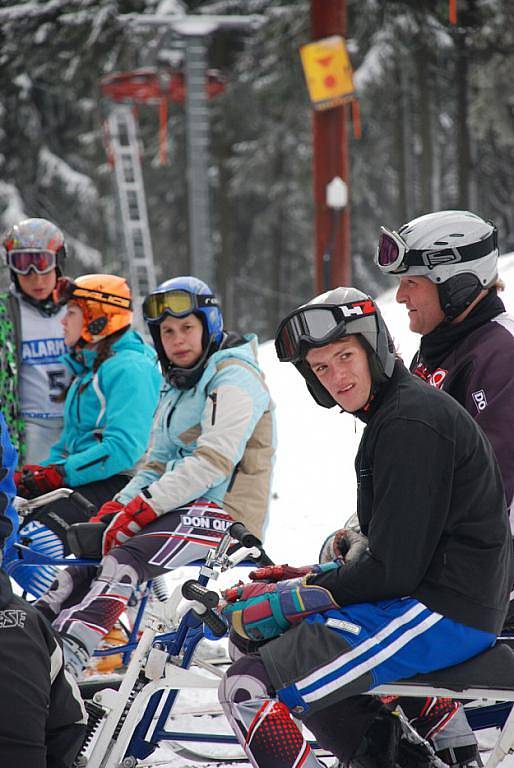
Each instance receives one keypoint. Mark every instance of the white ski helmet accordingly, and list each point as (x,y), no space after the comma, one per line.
(456,250)
(327,318)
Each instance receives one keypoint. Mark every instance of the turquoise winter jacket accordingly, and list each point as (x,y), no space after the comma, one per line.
(215,440)
(107,414)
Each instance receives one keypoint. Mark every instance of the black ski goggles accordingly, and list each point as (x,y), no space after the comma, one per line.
(178,303)
(316,326)
(21,262)
(394,255)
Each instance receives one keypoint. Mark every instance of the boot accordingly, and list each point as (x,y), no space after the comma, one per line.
(461,757)
(379,747)
(75,654)
(385,745)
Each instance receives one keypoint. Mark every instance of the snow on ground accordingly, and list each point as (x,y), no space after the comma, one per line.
(314,484)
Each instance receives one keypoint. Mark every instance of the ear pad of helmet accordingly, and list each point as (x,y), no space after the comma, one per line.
(457,293)
(97,326)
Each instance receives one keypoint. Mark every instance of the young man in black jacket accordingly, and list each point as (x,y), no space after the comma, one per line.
(430,590)
(42,719)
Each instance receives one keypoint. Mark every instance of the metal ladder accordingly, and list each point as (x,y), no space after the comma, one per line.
(131,194)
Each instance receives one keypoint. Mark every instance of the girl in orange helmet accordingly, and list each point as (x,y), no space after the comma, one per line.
(109,405)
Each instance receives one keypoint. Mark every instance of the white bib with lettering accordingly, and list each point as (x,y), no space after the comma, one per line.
(43,376)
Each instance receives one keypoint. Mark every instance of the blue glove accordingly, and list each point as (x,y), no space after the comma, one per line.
(263,611)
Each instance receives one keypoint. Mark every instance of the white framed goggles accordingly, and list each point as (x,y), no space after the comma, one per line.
(21,262)
(394,255)
(391,251)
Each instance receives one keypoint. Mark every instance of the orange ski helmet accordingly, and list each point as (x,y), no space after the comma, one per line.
(104,300)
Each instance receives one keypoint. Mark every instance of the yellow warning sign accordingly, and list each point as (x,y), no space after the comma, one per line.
(328,72)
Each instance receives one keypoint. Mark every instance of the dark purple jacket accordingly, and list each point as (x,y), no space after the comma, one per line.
(473,361)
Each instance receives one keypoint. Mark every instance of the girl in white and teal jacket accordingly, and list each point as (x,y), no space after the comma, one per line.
(209,463)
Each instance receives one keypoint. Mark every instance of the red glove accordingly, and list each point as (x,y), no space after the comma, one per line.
(130,520)
(279,572)
(244,591)
(34,480)
(109,509)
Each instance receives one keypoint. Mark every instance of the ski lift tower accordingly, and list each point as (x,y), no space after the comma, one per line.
(196,29)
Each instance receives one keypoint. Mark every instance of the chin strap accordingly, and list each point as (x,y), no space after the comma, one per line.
(47,307)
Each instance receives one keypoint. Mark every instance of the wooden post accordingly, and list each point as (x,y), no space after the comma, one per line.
(330,159)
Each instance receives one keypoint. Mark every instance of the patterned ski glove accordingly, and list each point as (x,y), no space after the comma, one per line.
(131,519)
(34,480)
(272,573)
(106,512)
(263,611)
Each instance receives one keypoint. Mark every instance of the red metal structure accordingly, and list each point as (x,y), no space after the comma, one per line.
(330,159)
(156,87)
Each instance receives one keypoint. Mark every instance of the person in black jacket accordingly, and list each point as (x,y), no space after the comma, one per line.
(429,591)
(42,719)
(447,266)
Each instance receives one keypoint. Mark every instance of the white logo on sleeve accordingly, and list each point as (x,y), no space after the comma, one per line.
(480,399)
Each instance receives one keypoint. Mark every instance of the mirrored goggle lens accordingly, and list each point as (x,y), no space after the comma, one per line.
(311,324)
(22,262)
(389,253)
(176,302)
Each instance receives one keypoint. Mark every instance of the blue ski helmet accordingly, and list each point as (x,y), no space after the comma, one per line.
(179,297)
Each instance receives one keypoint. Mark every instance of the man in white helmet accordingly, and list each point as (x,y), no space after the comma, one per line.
(433,579)
(447,266)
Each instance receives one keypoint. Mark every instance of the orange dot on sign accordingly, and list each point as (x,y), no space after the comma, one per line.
(329,81)
(325,61)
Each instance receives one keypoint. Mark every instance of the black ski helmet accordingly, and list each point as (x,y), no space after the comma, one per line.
(327,318)
(456,250)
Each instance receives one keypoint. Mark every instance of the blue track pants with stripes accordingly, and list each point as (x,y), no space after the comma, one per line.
(328,658)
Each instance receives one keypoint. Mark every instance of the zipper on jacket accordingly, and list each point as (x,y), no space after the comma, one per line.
(172,411)
(214,398)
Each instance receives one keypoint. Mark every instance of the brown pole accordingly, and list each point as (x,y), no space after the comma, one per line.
(330,159)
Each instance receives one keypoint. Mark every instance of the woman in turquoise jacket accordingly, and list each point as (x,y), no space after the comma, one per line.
(109,405)
(209,462)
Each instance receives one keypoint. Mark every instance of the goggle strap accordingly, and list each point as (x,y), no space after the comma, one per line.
(432,258)
(68,290)
(87,294)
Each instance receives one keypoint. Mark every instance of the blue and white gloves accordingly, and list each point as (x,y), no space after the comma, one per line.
(261,611)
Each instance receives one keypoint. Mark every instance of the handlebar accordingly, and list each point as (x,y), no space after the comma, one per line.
(192,590)
(239,532)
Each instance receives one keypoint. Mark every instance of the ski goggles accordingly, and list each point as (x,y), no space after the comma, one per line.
(21,262)
(391,251)
(176,302)
(317,326)
(394,255)
(67,290)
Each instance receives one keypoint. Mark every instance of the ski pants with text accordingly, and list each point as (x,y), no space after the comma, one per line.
(85,602)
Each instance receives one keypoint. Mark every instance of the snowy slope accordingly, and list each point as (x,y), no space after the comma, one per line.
(314,484)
